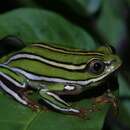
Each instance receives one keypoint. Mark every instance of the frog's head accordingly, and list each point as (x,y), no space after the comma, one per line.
(102,65)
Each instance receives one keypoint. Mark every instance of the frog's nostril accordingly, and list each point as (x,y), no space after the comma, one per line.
(114,61)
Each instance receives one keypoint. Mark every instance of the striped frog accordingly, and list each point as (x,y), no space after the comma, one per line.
(54,71)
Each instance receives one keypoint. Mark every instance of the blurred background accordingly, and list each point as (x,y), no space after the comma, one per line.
(99,22)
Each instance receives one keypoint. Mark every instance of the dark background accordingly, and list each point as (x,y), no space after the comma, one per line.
(106,22)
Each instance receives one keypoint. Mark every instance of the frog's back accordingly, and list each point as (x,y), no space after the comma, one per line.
(51,61)
(58,54)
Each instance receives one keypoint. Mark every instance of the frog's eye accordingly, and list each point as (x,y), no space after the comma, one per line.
(96,66)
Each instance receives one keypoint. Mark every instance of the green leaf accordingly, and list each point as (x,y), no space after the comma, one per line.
(110,24)
(16,116)
(32,26)
(124,114)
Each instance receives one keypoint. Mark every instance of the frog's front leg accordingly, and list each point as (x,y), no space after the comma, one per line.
(108,97)
(56,102)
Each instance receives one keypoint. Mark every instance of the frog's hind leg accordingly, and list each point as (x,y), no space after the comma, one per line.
(15,85)
(56,102)
(20,94)
(12,93)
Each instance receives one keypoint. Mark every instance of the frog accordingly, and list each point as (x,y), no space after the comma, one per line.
(55,71)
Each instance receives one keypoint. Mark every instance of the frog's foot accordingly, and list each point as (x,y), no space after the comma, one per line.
(31,104)
(83,113)
(94,108)
(28,102)
(108,98)
(34,106)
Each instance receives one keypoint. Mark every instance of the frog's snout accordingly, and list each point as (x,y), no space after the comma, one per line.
(117,62)
(114,64)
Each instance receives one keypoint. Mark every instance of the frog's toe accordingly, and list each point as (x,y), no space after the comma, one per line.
(83,113)
(34,106)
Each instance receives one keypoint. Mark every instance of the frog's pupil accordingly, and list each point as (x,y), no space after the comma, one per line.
(97,67)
